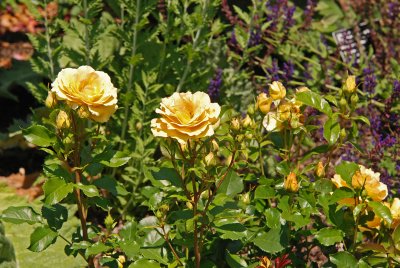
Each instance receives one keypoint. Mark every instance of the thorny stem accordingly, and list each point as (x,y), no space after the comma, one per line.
(78,177)
(49,51)
(195,43)
(166,238)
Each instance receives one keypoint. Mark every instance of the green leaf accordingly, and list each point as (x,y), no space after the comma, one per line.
(233,231)
(329,236)
(112,158)
(314,100)
(55,215)
(108,183)
(88,190)
(55,190)
(128,232)
(19,215)
(264,192)
(341,193)
(144,263)
(362,119)
(381,211)
(153,254)
(42,238)
(96,248)
(331,130)
(130,248)
(273,241)
(343,259)
(346,170)
(232,184)
(39,135)
(396,237)
(273,218)
(234,261)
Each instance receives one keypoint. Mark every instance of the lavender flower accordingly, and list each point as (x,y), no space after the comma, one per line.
(274,71)
(255,38)
(215,85)
(289,17)
(369,80)
(288,69)
(306,74)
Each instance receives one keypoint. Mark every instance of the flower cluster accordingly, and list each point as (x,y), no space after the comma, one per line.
(286,113)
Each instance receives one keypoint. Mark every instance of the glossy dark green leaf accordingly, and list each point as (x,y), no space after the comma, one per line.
(19,215)
(96,248)
(144,263)
(56,190)
(331,130)
(232,184)
(39,135)
(42,238)
(381,211)
(88,190)
(55,215)
(273,241)
(343,259)
(329,236)
(314,100)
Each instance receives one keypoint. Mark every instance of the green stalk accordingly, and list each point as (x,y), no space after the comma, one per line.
(87,44)
(131,71)
(49,50)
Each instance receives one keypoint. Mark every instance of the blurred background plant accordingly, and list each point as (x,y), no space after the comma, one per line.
(232,49)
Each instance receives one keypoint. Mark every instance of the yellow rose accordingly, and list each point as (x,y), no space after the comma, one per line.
(291,183)
(320,169)
(277,91)
(186,116)
(87,88)
(371,182)
(264,103)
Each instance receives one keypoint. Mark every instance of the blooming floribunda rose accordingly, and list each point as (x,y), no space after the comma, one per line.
(277,91)
(186,116)
(89,90)
(371,182)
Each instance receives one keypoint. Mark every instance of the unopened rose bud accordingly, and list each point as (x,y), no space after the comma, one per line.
(343,103)
(246,198)
(350,86)
(320,170)
(215,146)
(189,205)
(264,103)
(246,122)
(235,124)
(83,112)
(109,222)
(240,138)
(62,120)
(210,160)
(250,109)
(343,134)
(354,99)
(277,91)
(291,183)
(138,126)
(51,100)
(249,136)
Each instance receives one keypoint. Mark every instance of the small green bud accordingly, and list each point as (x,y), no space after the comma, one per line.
(354,99)
(343,134)
(210,160)
(250,109)
(139,126)
(109,222)
(343,103)
(246,122)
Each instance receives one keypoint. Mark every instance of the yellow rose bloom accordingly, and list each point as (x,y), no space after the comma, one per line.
(186,116)
(395,210)
(87,88)
(264,103)
(277,91)
(371,182)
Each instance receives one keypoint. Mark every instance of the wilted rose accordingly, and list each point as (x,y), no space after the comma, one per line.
(87,89)
(186,116)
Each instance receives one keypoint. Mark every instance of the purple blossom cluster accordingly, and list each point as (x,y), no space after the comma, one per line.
(215,85)
(393,10)
(255,38)
(277,9)
(309,12)
(369,80)
(288,70)
(273,72)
